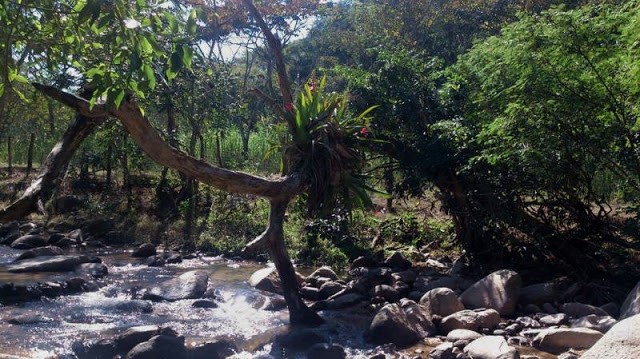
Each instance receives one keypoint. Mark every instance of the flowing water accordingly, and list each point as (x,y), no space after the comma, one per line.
(60,322)
(92,316)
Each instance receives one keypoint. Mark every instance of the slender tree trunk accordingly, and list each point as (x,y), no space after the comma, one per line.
(203,147)
(388,186)
(52,170)
(126,176)
(10,154)
(32,143)
(299,313)
(219,151)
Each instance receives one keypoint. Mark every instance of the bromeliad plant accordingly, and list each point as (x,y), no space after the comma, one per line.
(326,143)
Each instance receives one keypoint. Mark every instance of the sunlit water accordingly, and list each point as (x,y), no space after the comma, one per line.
(95,315)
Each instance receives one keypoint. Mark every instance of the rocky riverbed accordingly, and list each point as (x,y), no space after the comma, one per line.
(64,295)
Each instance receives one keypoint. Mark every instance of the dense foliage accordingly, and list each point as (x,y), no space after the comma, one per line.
(521,117)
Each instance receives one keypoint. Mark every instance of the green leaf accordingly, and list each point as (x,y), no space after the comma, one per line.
(191,23)
(187,56)
(118,99)
(1,89)
(149,75)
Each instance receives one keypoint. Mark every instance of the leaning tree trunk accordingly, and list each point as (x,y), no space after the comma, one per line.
(9,154)
(279,191)
(52,170)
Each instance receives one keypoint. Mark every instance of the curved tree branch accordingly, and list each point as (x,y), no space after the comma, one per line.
(154,146)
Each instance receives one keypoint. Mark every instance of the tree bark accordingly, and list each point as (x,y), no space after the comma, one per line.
(52,170)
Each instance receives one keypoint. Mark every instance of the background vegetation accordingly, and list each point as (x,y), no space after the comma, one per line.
(507,130)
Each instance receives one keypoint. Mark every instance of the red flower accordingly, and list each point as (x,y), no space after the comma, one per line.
(288,107)
(364,132)
(313,86)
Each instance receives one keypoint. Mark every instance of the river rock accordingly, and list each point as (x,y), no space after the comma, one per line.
(174,258)
(300,340)
(462,334)
(40,252)
(64,263)
(491,347)
(330,288)
(29,241)
(10,238)
(212,350)
(441,301)
(562,339)
(343,300)
(267,279)
(402,324)
(190,285)
(204,303)
(407,276)
(104,348)
(389,293)
(364,261)
(631,304)
(134,306)
(159,346)
(397,261)
(554,319)
(68,203)
(470,319)
(155,261)
(578,310)
(96,270)
(621,342)
(324,272)
(499,290)
(144,250)
(136,335)
(309,292)
(597,322)
(326,351)
(29,318)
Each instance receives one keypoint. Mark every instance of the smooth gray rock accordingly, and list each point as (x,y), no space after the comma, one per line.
(96,270)
(401,324)
(40,252)
(330,288)
(491,347)
(554,319)
(29,241)
(579,310)
(470,319)
(462,334)
(621,342)
(144,250)
(562,339)
(267,279)
(441,301)
(601,323)
(499,290)
(325,272)
(159,346)
(212,350)
(48,264)
(631,304)
(190,285)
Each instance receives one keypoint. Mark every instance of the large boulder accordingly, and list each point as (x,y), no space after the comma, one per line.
(212,350)
(491,347)
(601,323)
(631,305)
(579,310)
(29,241)
(397,261)
(324,272)
(160,346)
(402,324)
(441,301)
(471,320)
(326,351)
(621,342)
(49,264)
(267,279)
(144,250)
(40,252)
(190,285)
(499,290)
(562,339)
